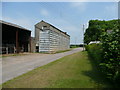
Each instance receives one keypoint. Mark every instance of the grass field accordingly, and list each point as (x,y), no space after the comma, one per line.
(73,71)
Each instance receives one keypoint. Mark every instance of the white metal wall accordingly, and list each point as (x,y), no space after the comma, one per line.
(44,41)
(51,41)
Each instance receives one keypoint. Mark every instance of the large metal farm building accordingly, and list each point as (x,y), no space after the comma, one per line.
(49,38)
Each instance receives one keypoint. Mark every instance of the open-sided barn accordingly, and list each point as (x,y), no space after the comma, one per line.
(15,38)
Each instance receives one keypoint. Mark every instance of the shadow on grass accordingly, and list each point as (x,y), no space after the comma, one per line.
(97,76)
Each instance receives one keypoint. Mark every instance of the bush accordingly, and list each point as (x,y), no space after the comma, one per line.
(111,55)
(107,55)
(95,51)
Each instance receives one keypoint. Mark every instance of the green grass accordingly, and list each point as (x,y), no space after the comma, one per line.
(0,87)
(61,51)
(64,50)
(74,46)
(73,71)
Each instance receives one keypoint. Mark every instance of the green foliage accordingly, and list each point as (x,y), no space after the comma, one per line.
(107,55)
(74,46)
(95,52)
(96,28)
(111,52)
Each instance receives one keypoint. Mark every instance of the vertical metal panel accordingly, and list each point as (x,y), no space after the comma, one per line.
(51,40)
(44,41)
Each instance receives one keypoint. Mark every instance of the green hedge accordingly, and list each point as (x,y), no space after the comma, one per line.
(107,55)
(95,52)
(111,55)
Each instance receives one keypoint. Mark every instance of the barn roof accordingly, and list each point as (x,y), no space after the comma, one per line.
(54,27)
(14,25)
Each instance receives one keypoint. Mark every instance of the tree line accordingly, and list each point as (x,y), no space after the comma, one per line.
(97,27)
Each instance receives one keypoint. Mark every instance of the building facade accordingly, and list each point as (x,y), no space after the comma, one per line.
(50,39)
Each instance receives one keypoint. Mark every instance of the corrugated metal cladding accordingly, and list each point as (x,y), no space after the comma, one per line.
(50,39)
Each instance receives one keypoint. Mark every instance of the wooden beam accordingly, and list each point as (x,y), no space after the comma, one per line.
(30,42)
(17,44)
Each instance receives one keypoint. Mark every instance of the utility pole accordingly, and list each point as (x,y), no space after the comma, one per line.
(75,40)
(83,37)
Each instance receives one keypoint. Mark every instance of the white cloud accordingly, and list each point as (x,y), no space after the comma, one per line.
(81,6)
(44,12)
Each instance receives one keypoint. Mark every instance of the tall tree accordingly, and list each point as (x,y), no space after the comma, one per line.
(96,28)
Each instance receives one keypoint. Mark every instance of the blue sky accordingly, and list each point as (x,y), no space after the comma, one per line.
(67,16)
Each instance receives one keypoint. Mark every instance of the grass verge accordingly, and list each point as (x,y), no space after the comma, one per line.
(72,71)
(61,51)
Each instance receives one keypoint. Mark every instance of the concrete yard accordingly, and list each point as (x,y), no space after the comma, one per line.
(14,66)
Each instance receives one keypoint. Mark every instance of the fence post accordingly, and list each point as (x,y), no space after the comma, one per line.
(6,50)
(14,49)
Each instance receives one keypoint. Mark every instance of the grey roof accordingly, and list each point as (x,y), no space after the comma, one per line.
(54,27)
(14,25)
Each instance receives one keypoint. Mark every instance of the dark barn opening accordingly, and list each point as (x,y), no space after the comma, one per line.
(15,39)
